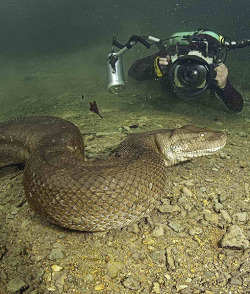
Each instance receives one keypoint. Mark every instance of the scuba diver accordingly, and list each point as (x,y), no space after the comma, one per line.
(190,64)
(156,66)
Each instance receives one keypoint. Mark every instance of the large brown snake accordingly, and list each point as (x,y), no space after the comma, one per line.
(96,195)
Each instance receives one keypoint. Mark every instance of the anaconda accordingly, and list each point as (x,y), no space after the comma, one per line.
(103,194)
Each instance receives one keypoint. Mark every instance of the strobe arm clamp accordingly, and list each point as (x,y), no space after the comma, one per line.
(133,40)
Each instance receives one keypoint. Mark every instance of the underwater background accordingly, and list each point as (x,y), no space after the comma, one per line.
(52,52)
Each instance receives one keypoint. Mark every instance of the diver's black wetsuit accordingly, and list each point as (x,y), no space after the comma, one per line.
(143,69)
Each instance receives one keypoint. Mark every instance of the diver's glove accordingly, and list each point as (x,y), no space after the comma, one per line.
(157,67)
(160,65)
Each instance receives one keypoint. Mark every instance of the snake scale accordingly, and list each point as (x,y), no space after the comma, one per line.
(103,194)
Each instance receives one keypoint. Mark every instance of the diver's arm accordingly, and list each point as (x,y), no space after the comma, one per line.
(143,69)
(230,96)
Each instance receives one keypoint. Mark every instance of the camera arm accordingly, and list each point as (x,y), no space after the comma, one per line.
(237,44)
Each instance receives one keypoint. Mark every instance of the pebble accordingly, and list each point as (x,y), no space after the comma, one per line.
(209,180)
(242,134)
(14,211)
(186,191)
(131,283)
(189,183)
(235,281)
(99,287)
(243,164)
(167,208)
(217,207)
(211,217)
(159,257)
(25,223)
(159,231)
(181,287)
(203,189)
(170,259)
(156,288)
(56,253)
(222,198)
(235,238)
(240,216)
(195,231)
(56,268)
(114,268)
(175,226)
(16,285)
(89,278)
(226,216)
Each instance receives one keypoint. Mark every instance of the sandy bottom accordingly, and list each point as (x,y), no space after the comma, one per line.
(175,249)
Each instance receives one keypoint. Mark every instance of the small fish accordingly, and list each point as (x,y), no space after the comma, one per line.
(94,108)
(82,97)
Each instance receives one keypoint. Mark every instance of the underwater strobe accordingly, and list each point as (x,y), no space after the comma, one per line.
(116,79)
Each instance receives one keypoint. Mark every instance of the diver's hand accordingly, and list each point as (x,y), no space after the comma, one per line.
(221,76)
(163,62)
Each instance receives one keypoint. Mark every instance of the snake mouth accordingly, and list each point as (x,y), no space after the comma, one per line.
(179,154)
(202,152)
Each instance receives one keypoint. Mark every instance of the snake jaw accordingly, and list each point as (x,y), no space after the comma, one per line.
(190,142)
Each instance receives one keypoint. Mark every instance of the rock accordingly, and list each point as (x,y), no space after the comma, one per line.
(243,164)
(195,231)
(167,208)
(235,238)
(223,155)
(235,281)
(226,216)
(222,198)
(203,189)
(189,183)
(159,257)
(56,268)
(99,287)
(240,216)
(181,287)
(114,268)
(186,191)
(25,223)
(56,253)
(175,226)
(131,283)
(156,288)
(134,228)
(89,278)
(213,218)
(242,134)
(170,259)
(159,231)
(217,207)
(60,280)
(17,285)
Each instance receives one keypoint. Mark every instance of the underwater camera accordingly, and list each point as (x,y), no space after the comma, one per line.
(194,55)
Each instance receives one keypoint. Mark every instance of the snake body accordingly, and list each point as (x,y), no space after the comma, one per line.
(96,195)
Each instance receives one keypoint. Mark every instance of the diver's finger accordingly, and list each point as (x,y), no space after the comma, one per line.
(163,62)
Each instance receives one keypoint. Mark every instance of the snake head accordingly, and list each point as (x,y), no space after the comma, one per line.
(188,142)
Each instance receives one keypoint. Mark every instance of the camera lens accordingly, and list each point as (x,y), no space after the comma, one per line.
(190,76)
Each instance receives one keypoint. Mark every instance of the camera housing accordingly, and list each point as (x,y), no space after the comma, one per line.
(191,74)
